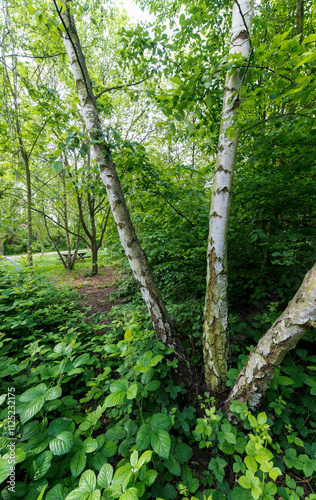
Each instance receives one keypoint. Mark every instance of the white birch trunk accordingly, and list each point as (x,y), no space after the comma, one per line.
(215,331)
(299,316)
(135,254)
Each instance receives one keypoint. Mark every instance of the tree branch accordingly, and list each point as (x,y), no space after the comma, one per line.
(58,224)
(271,118)
(105,223)
(37,137)
(118,87)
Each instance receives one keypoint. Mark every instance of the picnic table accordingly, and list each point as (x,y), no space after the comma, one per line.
(80,255)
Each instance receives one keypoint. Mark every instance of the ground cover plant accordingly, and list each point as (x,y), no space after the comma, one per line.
(99,415)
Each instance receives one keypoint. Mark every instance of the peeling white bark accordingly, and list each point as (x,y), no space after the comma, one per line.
(287,330)
(135,254)
(215,331)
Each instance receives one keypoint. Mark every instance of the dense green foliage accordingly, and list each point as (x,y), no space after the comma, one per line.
(98,412)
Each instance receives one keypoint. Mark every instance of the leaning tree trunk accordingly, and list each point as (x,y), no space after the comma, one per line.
(215,330)
(299,316)
(133,250)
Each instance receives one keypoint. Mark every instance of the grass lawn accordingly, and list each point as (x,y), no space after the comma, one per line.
(50,265)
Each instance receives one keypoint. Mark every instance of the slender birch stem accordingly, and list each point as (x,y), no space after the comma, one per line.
(215,332)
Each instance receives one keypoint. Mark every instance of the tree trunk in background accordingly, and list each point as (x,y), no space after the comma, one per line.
(286,331)
(71,257)
(215,330)
(42,245)
(94,248)
(299,18)
(135,254)
(29,205)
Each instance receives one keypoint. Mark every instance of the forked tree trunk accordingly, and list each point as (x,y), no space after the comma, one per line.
(215,330)
(133,250)
(286,331)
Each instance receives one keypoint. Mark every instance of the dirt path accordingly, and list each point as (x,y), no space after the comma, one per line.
(95,291)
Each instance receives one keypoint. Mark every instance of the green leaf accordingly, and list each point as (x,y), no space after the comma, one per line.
(114,399)
(62,443)
(33,393)
(37,444)
(59,425)
(283,493)
(256,492)
(134,458)
(53,393)
(282,380)
(128,335)
(150,477)
(59,492)
(131,391)
(159,421)
(5,469)
(176,79)
(40,465)
(230,437)
(32,408)
(40,496)
(78,463)
(263,455)
(173,466)
(251,464)
(109,448)
(183,452)
(155,360)
(57,166)
(244,482)
(130,494)
(143,437)
(122,475)
(78,494)
(160,442)
(252,420)
(270,488)
(144,459)
(120,385)
(208,100)
(262,418)
(169,492)
(105,476)
(153,385)
(88,481)
(90,445)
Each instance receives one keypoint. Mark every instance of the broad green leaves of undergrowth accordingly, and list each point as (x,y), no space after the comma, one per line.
(99,416)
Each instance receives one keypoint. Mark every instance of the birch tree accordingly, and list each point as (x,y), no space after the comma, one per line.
(137,258)
(215,331)
(300,315)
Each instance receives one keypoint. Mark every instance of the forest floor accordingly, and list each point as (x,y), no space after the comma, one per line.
(95,291)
